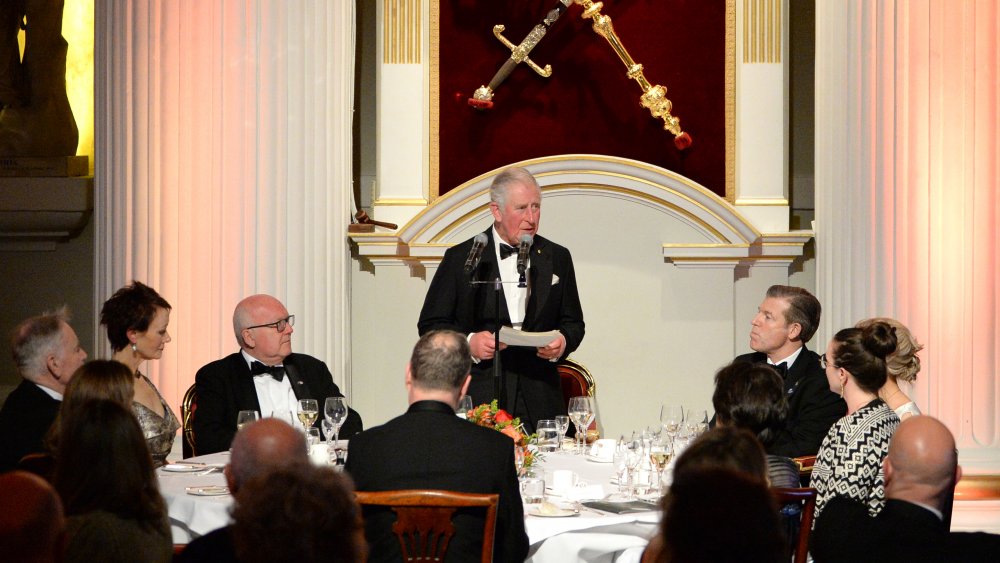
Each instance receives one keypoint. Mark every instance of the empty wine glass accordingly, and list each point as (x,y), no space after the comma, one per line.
(562,421)
(464,406)
(307,413)
(244,418)
(620,466)
(696,421)
(581,412)
(335,411)
(634,453)
(671,418)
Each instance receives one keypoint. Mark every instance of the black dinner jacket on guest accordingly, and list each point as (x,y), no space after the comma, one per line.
(225,387)
(214,547)
(553,303)
(812,407)
(429,447)
(903,532)
(24,420)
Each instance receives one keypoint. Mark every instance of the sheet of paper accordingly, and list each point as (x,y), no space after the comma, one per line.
(514,337)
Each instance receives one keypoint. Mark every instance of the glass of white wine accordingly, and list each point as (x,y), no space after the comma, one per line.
(308,411)
(659,457)
(244,418)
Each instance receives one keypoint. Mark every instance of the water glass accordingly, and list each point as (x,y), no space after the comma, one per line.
(533,490)
(548,435)
(464,406)
(562,421)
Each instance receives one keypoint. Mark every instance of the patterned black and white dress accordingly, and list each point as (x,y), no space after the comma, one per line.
(849,463)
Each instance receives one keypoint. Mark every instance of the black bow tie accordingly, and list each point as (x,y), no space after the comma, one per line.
(506,250)
(781,368)
(277,372)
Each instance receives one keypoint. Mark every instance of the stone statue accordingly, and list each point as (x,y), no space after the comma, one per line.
(35,116)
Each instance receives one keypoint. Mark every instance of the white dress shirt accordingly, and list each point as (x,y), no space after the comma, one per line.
(276,398)
(517,297)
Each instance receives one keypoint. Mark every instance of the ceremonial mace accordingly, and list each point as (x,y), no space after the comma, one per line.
(654,98)
(483,96)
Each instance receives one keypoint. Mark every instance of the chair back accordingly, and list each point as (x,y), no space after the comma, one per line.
(188,407)
(575,380)
(805,464)
(807,498)
(424,519)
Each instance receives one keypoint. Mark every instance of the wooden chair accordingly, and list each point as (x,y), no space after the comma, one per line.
(575,380)
(188,407)
(807,497)
(805,464)
(424,519)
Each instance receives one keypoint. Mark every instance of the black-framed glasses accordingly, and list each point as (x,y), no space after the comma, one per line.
(278,325)
(824,363)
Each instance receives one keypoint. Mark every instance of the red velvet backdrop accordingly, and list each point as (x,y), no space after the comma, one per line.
(588,105)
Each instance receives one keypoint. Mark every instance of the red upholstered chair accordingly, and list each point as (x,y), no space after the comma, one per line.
(576,381)
(188,407)
(807,498)
(423,519)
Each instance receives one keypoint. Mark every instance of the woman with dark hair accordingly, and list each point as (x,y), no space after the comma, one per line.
(108,487)
(902,365)
(96,379)
(750,396)
(849,462)
(136,318)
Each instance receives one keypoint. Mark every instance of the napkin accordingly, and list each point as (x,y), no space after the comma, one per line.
(586,492)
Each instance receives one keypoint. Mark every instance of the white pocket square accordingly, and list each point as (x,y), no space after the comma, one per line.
(555,279)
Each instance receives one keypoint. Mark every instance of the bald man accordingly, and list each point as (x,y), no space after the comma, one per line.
(264,376)
(258,449)
(32,525)
(921,470)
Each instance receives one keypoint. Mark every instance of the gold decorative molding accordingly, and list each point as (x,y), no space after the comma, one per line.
(400,201)
(434,109)
(730,85)
(765,201)
(401,31)
(762,31)
(978,487)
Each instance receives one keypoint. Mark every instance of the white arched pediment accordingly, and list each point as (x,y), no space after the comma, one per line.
(704,226)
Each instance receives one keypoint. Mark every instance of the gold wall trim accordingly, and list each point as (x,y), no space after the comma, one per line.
(401,31)
(433,95)
(762,31)
(770,201)
(400,201)
(730,85)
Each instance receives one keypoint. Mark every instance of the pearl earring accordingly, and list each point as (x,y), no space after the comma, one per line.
(135,350)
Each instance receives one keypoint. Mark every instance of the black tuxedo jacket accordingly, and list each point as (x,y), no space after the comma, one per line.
(431,448)
(225,387)
(214,547)
(24,420)
(812,407)
(553,303)
(903,532)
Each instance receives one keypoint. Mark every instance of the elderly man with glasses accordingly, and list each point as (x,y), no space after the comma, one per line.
(264,376)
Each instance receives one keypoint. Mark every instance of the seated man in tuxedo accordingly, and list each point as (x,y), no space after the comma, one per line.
(429,447)
(785,321)
(47,352)
(548,300)
(921,470)
(261,447)
(264,376)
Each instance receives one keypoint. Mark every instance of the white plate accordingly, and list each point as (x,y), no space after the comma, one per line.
(209,491)
(598,459)
(180,468)
(556,513)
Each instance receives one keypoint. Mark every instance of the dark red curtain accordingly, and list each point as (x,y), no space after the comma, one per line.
(588,105)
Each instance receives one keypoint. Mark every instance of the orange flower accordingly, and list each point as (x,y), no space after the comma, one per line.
(502,416)
(513,433)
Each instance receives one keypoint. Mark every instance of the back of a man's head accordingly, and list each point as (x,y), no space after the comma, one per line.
(35,338)
(922,462)
(261,447)
(31,519)
(441,360)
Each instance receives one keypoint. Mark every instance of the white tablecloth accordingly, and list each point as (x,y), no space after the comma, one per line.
(590,537)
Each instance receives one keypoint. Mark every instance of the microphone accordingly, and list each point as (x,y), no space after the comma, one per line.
(475,253)
(522,253)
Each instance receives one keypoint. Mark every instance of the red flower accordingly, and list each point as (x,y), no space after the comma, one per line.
(502,416)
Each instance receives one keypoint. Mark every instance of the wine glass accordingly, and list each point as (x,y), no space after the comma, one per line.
(335,411)
(562,421)
(696,421)
(244,418)
(659,457)
(620,467)
(464,406)
(634,454)
(581,412)
(307,412)
(671,418)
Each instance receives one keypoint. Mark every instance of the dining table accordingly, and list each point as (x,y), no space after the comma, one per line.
(197,503)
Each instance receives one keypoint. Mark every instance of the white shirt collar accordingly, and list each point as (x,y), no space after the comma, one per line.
(50,392)
(250,359)
(789,360)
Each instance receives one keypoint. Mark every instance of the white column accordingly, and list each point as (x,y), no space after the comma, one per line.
(907,127)
(224,167)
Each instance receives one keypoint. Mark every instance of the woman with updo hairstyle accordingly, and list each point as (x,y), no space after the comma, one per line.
(902,365)
(136,318)
(849,462)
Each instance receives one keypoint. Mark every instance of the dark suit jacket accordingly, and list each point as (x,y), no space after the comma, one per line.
(24,420)
(903,532)
(225,387)
(553,303)
(431,448)
(812,407)
(214,547)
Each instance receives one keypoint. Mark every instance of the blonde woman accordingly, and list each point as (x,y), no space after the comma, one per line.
(902,365)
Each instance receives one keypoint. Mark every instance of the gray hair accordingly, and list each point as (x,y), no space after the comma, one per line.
(35,338)
(441,360)
(514,175)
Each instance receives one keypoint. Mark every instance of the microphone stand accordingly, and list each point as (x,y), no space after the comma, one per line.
(499,385)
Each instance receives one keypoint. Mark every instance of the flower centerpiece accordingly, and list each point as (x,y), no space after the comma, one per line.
(491,416)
